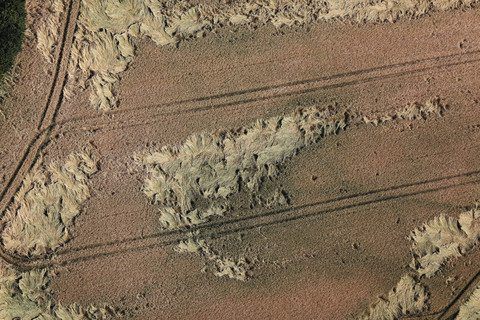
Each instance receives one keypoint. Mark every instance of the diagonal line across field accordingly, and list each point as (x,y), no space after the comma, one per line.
(246,221)
(451,310)
(146,115)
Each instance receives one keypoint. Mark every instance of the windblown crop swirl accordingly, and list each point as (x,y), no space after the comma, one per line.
(46,204)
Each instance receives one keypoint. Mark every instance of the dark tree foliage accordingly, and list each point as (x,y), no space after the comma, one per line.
(12,27)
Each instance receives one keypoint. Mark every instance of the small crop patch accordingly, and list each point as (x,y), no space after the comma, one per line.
(437,241)
(471,308)
(237,269)
(48,30)
(213,166)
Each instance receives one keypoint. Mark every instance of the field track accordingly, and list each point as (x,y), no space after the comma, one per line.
(49,111)
(147,115)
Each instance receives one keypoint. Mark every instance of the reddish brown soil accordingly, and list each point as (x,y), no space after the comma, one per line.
(343,239)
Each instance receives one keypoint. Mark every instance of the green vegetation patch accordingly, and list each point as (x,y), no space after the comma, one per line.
(12,28)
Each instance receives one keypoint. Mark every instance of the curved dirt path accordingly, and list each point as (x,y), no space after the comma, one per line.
(44,127)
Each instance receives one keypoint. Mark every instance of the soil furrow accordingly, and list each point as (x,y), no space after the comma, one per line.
(130,118)
(218,229)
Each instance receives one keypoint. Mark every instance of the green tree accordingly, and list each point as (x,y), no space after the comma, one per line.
(12,28)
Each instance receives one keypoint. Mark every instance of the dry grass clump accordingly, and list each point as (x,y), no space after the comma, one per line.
(27,296)
(102,55)
(43,208)
(387,10)
(77,312)
(223,266)
(471,308)
(24,296)
(213,166)
(46,204)
(102,47)
(443,238)
(407,298)
(236,269)
(412,111)
(47,27)
(279,198)
(438,240)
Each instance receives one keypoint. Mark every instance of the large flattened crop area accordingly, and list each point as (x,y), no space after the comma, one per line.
(177,210)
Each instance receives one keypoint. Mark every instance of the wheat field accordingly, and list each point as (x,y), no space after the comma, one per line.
(184,183)
(48,30)
(211,167)
(407,298)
